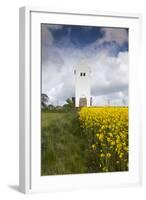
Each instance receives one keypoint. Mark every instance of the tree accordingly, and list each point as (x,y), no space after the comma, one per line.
(44,100)
(51,107)
(69,104)
(124,101)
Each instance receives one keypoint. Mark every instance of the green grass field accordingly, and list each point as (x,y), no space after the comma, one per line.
(63,147)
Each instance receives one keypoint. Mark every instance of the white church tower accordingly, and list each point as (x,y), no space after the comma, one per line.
(82,84)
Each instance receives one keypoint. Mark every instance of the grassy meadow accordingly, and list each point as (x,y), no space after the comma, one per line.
(63,145)
(88,140)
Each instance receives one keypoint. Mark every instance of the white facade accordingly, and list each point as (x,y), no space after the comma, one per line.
(82,82)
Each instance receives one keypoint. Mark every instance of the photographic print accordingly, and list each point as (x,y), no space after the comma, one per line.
(84,99)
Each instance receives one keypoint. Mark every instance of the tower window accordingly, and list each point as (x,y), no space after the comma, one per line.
(82,74)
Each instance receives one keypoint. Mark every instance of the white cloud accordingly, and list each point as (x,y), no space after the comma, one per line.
(119,35)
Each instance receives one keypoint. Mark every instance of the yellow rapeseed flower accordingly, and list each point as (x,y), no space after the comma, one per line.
(108,128)
(93,146)
(108,155)
(102,155)
(101,136)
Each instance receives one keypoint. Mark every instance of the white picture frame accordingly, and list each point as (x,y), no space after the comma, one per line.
(29,159)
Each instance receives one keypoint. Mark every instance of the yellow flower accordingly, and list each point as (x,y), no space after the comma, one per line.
(93,146)
(110,134)
(97,135)
(102,127)
(113,143)
(108,155)
(105,169)
(101,136)
(117,141)
(126,148)
(102,155)
(121,155)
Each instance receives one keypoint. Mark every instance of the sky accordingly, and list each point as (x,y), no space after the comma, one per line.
(106,52)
